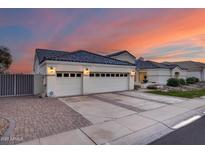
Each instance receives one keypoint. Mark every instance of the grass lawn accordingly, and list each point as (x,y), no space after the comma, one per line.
(186,94)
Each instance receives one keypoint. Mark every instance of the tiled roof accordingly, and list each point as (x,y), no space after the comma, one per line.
(80,56)
(189,65)
(172,66)
(141,64)
(119,53)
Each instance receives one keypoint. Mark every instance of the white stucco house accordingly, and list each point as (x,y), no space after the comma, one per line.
(81,72)
(152,71)
(194,69)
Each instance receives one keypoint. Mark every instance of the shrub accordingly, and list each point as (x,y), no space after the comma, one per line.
(136,87)
(192,80)
(152,87)
(182,82)
(145,79)
(196,80)
(173,82)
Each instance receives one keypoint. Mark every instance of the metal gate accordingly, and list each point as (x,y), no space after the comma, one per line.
(16,84)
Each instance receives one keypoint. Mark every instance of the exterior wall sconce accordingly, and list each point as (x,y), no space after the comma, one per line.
(86,71)
(51,70)
(132,73)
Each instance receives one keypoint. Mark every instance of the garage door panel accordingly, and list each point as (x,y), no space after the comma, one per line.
(103,84)
(68,86)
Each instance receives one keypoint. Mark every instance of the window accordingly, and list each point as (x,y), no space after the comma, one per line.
(125,75)
(59,74)
(72,75)
(112,75)
(117,75)
(97,75)
(91,75)
(102,75)
(78,75)
(176,74)
(66,75)
(121,75)
(107,75)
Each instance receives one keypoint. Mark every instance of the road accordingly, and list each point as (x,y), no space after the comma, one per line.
(192,134)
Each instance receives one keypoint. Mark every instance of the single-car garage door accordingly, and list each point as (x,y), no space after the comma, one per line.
(68,83)
(107,82)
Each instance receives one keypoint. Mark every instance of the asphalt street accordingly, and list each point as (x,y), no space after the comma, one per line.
(192,134)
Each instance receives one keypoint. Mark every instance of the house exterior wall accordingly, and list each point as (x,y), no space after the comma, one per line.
(38,84)
(158,75)
(196,74)
(203,75)
(39,68)
(51,80)
(182,73)
(125,57)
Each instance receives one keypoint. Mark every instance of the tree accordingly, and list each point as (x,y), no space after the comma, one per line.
(5,59)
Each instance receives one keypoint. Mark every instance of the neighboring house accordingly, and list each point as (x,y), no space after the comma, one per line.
(194,69)
(82,72)
(157,72)
(124,56)
(152,71)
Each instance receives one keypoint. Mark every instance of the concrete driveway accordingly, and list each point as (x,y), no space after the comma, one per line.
(129,117)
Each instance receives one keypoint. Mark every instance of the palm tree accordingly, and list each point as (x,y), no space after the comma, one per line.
(5,59)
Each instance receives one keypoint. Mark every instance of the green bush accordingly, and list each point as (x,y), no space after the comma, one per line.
(145,79)
(136,87)
(152,87)
(173,82)
(196,79)
(182,82)
(192,80)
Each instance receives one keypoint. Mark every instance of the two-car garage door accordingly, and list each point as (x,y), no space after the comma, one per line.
(107,82)
(71,83)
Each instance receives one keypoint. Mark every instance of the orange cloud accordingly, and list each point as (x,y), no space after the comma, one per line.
(138,35)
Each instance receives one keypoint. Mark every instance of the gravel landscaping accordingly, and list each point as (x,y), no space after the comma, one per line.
(4,124)
(188,87)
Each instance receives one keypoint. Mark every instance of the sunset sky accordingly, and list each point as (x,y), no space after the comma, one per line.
(155,34)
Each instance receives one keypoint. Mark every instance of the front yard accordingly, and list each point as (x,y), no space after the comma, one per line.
(185,94)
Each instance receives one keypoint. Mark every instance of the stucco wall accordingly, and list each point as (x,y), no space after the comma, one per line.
(161,75)
(196,74)
(157,75)
(87,82)
(182,73)
(38,84)
(203,76)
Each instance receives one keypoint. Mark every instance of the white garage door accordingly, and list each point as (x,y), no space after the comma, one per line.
(68,83)
(107,82)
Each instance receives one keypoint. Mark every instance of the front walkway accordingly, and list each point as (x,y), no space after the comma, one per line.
(125,118)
